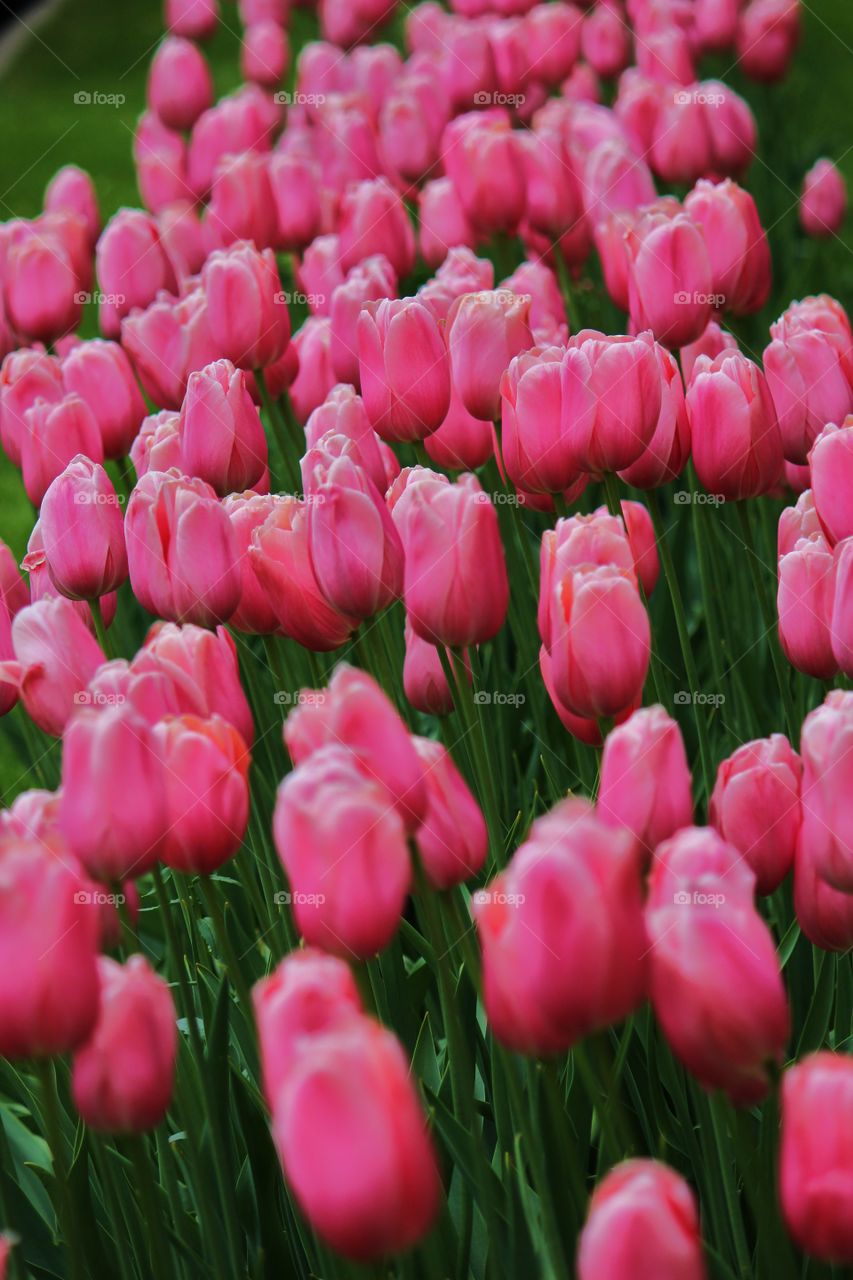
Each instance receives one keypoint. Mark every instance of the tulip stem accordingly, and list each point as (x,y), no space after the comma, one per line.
(569,298)
(683,634)
(214,909)
(769,619)
(277,427)
(100,628)
(65,1212)
(150,1206)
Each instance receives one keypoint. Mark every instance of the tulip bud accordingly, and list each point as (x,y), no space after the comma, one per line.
(737,445)
(54,434)
(222,436)
(824,914)
(206,773)
(132,267)
(181,551)
(755,806)
(373,219)
(826,831)
(41,289)
(83,532)
(767,34)
(249,321)
(196,19)
(542,403)
(180,85)
(71,190)
(452,840)
(247,512)
(343,847)
(736,243)
(294,182)
(56,655)
(424,681)
(265,55)
(570,901)
(482,157)
(26,377)
(49,984)
(484,331)
(642,1220)
(715,988)
(202,666)
(369,281)
(122,1077)
(645,778)
(808,373)
(404,369)
(805,605)
(442,220)
(606,41)
(823,203)
(831,463)
(815,1186)
(670,278)
(100,374)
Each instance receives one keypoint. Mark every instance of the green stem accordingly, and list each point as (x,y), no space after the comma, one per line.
(290,465)
(151,1208)
(50,1110)
(100,628)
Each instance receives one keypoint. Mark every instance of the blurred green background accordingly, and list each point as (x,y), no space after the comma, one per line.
(105,46)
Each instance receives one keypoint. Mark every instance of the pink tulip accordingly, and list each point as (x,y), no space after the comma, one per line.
(115,831)
(614,178)
(622,376)
(681,148)
(181,552)
(158,445)
(160,157)
(404,369)
(100,373)
(570,900)
(461,272)
(373,219)
(372,279)
(815,1181)
(411,122)
(483,159)
(354,545)
(831,464)
(202,666)
(353,711)
(343,848)
(484,331)
(349,1104)
(424,681)
(248,318)
(196,19)
(823,203)
(642,1222)
(755,806)
(295,181)
(669,447)
(716,988)
(169,341)
(55,657)
(737,445)
(83,532)
(767,35)
(265,55)
(543,401)
(41,289)
(580,542)
(310,994)
(342,415)
(456,589)
(711,343)
(736,243)
(824,914)
(808,373)
(71,190)
(242,122)
(241,206)
(180,85)
(645,778)
(222,436)
(670,279)
(345,24)
(49,989)
(606,40)
(841,621)
(54,434)
(247,512)
(462,442)
(206,774)
(14,591)
(452,840)
(132,267)
(122,1077)
(826,830)
(279,553)
(26,376)
(443,222)
(731,127)
(799,521)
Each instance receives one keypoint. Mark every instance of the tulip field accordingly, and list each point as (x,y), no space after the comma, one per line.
(426,640)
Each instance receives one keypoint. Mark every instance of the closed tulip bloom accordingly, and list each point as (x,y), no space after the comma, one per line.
(83,532)
(823,203)
(452,840)
(280,555)
(248,318)
(343,847)
(265,55)
(122,1077)
(181,551)
(670,279)
(668,450)
(711,343)
(404,369)
(737,445)
(755,805)
(372,279)
(196,19)
(132,267)
(484,331)
(456,588)
(816,1155)
(411,122)
(202,666)
(808,373)
(320,272)
(49,986)
(14,591)
(310,994)
(373,219)
(353,711)
(570,902)
(442,221)
(606,41)
(643,1223)
(247,512)
(796,522)
(681,148)
(184,238)
(206,774)
(158,445)
(543,402)
(222,436)
(350,1105)
(26,376)
(295,182)
(354,545)
(580,542)
(71,190)
(623,376)
(827,827)
(716,988)
(241,206)
(100,373)
(548,319)
(160,157)
(614,178)
(736,243)
(831,464)
(41,290)
(115,830)
(841,622)
(55,657)
(180,85)
(824,914)
(767,35)
(342,415)
(461,272)
(483,158)
(462,442)
(731,127)
(424,681)
(645,778)
(54,434)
